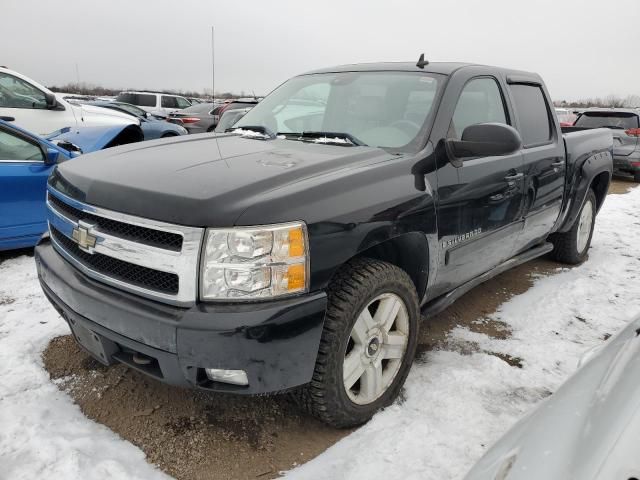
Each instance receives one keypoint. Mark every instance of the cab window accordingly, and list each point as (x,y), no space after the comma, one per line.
(13,147)
(533,114)
(480,102)
(16,93)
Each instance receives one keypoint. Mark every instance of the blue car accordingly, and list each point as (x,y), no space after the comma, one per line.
(27,159)
(152,126)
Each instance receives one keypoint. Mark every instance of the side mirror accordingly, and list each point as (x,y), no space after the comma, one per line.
(51,156)
(483,140)
(50,100)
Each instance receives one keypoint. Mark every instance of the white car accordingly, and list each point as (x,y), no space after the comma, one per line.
(161,104)
(34,107)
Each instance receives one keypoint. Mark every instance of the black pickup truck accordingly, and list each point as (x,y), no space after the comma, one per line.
(298,251)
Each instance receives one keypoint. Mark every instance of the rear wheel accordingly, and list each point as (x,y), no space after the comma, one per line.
(572,246)
(368,343)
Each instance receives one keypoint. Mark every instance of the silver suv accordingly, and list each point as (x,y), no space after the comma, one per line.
(625,126)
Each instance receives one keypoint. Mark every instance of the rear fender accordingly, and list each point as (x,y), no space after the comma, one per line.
(592,172)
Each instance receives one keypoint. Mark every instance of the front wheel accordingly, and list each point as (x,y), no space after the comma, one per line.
(368,343)
(571,247)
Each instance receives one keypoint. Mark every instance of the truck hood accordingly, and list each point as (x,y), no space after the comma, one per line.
(200,180)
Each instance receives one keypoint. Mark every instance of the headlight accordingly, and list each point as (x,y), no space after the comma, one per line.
(245,263)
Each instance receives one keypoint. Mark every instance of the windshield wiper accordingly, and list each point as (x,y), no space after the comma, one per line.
(332,138)
(255,131)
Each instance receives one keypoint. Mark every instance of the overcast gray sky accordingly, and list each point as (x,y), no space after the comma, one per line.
(582,48)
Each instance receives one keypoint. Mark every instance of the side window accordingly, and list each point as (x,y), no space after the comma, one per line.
(16,93)
(169,102)
(480,102)
(182,102)
(533,114)
(13,147)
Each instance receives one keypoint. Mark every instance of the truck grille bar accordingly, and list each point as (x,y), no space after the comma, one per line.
(154,259)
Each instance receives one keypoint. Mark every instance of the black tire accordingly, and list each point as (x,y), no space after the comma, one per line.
(565,245)
(352,289)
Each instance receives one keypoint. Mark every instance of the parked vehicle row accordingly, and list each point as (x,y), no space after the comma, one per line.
(153,127)
(298,250)
(206,116)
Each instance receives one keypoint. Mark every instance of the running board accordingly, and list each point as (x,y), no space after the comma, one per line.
(439,304)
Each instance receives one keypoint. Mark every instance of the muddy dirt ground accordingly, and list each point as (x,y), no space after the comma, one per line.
(196,435)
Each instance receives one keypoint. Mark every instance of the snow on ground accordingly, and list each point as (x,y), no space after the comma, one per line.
(454,405)
(43,434)
(457,405)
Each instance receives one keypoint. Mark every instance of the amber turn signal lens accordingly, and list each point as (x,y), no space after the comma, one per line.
(296,242)
(296,277)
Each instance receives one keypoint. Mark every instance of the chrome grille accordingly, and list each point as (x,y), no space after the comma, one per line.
(154,259)
(135,233)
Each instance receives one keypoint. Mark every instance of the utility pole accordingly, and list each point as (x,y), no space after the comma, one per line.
(213,67)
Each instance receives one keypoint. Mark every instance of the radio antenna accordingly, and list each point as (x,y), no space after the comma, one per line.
(213,86)
(422,62)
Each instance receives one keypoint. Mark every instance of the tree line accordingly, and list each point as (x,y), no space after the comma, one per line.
(610,101)
(98,91)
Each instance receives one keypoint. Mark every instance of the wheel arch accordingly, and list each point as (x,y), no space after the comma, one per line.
(600,186)
(409,251)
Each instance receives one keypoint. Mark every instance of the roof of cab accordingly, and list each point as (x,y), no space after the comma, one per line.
(443,68)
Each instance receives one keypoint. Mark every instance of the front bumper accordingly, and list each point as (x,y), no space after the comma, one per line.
(275,343)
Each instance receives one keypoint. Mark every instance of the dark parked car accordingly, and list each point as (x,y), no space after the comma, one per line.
(300,251)
(625,126)
(152,126)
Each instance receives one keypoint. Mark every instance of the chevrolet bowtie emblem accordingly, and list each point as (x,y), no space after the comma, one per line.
(83,238)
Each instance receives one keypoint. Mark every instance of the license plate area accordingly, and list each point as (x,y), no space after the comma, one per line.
(102,349)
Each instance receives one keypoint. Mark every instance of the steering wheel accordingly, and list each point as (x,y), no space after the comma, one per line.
(407,126)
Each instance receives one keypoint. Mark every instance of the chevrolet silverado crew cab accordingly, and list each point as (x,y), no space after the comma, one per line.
(298,251)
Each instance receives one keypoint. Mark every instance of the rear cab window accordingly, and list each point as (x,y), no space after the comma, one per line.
(536,127)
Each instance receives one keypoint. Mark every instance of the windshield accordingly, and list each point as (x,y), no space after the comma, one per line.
(619,120)
(380,109)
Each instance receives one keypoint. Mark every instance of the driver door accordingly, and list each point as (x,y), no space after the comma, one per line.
(480,201)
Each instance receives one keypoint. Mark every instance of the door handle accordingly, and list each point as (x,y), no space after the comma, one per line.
(513,178)
(558,164)
(7,119)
